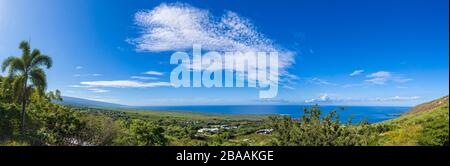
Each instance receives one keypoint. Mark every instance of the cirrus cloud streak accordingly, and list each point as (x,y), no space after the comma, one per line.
(125,84)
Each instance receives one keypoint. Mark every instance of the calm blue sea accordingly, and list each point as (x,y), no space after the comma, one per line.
(357,113)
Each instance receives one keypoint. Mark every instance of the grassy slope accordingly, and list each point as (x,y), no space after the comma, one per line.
(176,115)
(428,106)
(425,127)
(154,115)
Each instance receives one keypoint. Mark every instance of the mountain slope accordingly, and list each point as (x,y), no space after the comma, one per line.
(425,124)
(87,103)
(429,105)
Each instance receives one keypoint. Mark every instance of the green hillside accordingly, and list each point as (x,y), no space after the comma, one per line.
(426,124)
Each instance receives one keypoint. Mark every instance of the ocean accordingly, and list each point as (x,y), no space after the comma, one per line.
(357,113)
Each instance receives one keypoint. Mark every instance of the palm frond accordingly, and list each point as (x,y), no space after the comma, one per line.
(7,62)
(35,53)
(25,47)
(38,78)
(42,60)
(15,65)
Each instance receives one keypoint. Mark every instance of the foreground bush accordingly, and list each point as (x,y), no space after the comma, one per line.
(141,133)
(314,129)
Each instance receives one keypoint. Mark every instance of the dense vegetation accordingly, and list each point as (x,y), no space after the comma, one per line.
(313,129)
(425,125)
(51,124)
(428,126)
(29,116)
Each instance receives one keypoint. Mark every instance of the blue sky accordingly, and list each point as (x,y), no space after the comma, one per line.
(343,52)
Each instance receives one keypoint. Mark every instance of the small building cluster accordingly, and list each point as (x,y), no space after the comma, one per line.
(208,130)
(214,129)
(264,131)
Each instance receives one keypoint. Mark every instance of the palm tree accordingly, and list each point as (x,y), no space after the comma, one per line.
(27,74)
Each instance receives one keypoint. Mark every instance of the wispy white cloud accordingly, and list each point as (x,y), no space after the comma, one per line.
(90,88)
(157,73)
(319,81)
(87,75)
(382,77)
(125,84)
(78,67)
(326,98)
(356,73)
(96,75)
(288,87)
(398,98)
(383,74)
(98,90)
(353,85)
(322,98)
(80,86)
(402,80)
(177,27)
(143,78)
(378,78)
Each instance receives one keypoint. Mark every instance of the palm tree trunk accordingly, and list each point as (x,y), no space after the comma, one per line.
(24,105)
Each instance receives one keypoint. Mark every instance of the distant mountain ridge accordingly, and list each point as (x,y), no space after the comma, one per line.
(429,105)
(87,103)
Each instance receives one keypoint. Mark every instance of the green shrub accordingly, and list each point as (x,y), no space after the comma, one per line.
(312,129)
(9,121)
(141,133)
